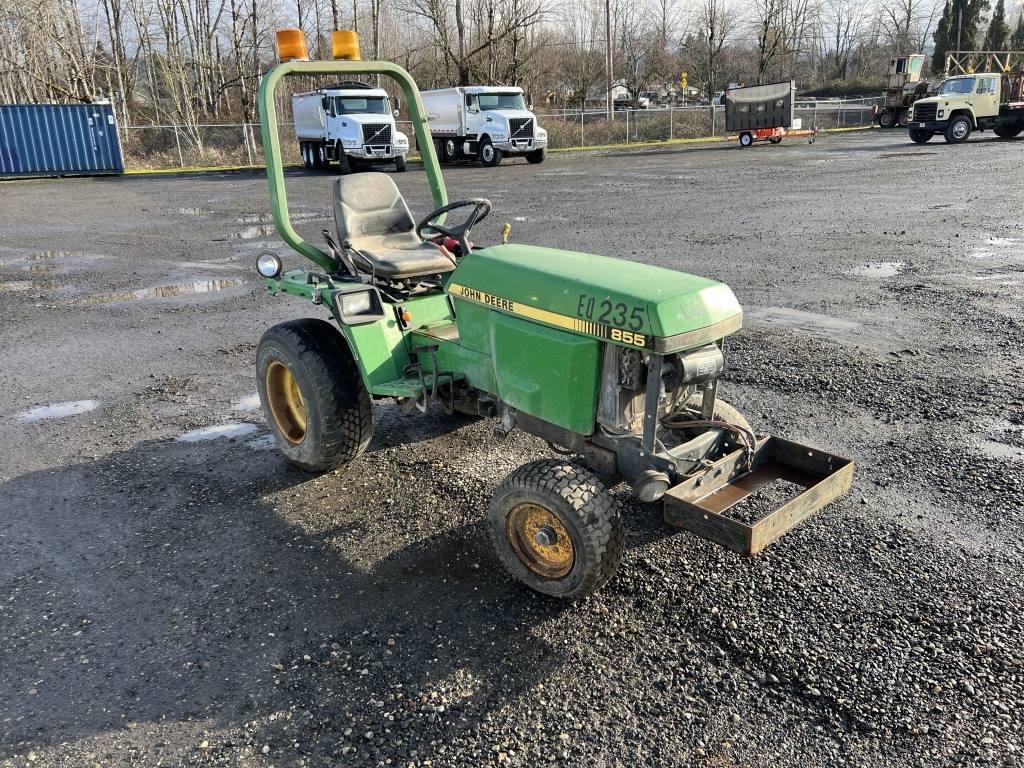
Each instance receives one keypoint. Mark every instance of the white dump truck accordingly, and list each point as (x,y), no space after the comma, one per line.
(349,123)
(487,122)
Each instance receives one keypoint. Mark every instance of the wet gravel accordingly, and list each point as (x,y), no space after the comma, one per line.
(196,601)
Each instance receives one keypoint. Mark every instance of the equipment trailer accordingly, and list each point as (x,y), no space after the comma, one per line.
(763,113)
(613,362)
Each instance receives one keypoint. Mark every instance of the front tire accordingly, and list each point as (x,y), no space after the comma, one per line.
(535,157)
(490,156)
(746,140)
(344,167)
(400,164)
(958,130)
(886,119)
(312,395)
(920,137)
(556,528)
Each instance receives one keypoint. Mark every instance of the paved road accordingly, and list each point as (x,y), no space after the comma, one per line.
(174,593)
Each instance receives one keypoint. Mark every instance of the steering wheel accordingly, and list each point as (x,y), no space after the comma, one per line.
(427,229)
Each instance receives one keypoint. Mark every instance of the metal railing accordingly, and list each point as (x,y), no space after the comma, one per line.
(239,144)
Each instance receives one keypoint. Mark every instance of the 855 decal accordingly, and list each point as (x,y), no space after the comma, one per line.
(614,320)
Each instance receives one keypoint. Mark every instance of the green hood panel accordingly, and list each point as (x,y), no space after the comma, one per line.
(622,301)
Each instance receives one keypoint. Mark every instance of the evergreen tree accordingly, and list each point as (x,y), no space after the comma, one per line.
(998,30)
(1017,40)
(941,38)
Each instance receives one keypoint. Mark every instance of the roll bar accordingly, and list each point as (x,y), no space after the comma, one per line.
(272,144)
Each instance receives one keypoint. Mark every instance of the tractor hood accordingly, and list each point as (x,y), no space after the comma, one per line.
(621,301)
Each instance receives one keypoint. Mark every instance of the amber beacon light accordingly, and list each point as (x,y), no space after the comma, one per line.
(291,45)
(345,45)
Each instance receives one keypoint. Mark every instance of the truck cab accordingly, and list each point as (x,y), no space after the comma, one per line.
(485,122)
(966,103)
(350,123)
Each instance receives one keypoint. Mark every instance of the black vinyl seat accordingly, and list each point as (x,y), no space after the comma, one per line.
(372,217)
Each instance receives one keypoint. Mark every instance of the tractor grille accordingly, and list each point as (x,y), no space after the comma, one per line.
(924,113)
(376,134)
(521,127)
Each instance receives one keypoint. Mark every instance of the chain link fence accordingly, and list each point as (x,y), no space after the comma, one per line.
(158,147)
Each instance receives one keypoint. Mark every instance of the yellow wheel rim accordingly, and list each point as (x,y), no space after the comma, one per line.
(540,541)
(284,400)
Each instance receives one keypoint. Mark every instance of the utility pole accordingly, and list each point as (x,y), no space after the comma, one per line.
(608,57)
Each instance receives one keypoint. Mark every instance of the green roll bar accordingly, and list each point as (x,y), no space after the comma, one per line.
(272,144)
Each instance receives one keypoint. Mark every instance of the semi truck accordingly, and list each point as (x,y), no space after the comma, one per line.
(485,122)
(349,123)
(987,93)
(903,88)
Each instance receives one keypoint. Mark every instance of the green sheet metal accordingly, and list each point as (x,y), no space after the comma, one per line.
(613,299)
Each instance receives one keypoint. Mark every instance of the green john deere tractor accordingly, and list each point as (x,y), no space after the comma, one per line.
(612,362)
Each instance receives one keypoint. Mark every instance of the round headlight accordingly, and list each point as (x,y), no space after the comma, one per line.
(268,264)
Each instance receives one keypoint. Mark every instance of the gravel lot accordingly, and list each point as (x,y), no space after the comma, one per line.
(173,593)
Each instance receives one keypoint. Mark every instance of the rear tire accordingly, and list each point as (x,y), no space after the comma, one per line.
(958,130)
(400,164)
(312,395)
(490,156)
(448,150)
(886,119)
(307,155)
(556,528)
(1004,132)
(920,137)
(746,140)
(535,157)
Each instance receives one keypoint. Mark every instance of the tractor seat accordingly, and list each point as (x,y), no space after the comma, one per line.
(372,217)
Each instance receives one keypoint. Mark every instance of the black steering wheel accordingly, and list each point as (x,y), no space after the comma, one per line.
(428,229)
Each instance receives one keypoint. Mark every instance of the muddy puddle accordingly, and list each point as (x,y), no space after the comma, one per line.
(231,429)
(253,233)
(194,212)
(879,269)
(58,410)
(1003,248)
(266,218)
(247,403)
(163,291)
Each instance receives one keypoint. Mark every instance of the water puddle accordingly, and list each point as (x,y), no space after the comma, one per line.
(880,269)
(999,450)
(809,322)
(266,218)
(230,429)
(247,403)
(58,410)
(14,286)
(253,233)
(194,212)
(999,248)
(163,291)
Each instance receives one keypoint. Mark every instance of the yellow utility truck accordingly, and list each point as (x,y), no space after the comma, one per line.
(990,99)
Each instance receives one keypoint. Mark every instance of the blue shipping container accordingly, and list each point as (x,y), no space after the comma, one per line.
(58,140)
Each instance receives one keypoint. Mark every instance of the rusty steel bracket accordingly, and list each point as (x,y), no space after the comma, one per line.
(701,503)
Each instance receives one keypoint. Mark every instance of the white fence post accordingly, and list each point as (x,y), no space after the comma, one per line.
(627,125)
(671,112)
(583,111)
(177,141)
(248,142)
